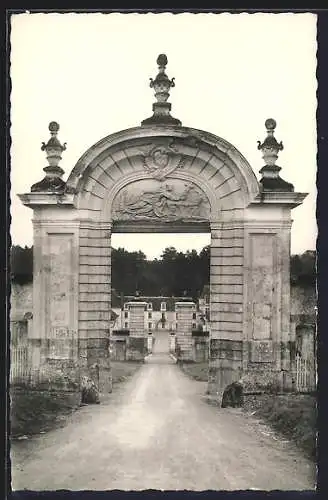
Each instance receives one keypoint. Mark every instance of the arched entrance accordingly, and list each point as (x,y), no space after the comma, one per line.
(163,177)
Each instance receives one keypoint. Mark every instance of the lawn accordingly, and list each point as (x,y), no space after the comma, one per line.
(197,371)
(34,411)
(293,415)
(122,370)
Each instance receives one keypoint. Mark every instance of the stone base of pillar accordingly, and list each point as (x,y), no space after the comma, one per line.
(53,364)
(226,365)
(136,348)
(98,367)
(184,348)
(266,379)
(50,370)
(200,350)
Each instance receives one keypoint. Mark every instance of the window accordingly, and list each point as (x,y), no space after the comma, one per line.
(126,314)
(150,305)
(150,325)
(163,306)
(163,316)
(149,315)
(126,325)
(194,325)
(193,315)
(163,325)
(176,315)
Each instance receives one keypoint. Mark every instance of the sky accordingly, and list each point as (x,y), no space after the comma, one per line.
(90,73)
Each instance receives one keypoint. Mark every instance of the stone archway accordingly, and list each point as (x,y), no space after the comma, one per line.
(163,177)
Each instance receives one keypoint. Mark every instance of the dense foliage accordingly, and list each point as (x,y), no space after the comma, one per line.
(175,273)
(303,268)
(21,264)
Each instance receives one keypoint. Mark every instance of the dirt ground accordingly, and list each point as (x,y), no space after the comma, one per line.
(157,431)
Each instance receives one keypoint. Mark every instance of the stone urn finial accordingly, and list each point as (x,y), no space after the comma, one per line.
(53,148)
(161,85)
(270,146)
(53,180)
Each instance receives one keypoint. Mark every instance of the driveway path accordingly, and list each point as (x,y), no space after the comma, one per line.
(156,431)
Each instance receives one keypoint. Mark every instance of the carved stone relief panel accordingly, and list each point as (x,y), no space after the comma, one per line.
(161,159)
(171,200)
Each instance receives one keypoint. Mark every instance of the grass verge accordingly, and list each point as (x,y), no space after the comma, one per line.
(34,411)
(197,371)
(293,415)
(122,370)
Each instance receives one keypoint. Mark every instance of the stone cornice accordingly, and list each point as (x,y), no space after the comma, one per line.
(160,227)
(252,224)
(290,199)
(268,224)
(40,222)
(37,199)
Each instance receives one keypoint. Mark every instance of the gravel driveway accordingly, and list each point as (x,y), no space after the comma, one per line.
(156,431)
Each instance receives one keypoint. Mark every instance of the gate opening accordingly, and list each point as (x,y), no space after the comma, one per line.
(160,297)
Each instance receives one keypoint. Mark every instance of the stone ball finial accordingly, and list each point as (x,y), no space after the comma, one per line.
(162,60)
(54,127)
(270,124)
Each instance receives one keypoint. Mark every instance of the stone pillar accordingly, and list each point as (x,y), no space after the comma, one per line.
(95,302)
(172,342)
(137,340)
(150,342)
(137,318)
(226,305)
(53,341)
(184,320)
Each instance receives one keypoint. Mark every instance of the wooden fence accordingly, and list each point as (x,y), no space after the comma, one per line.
(19,369)
(305,376)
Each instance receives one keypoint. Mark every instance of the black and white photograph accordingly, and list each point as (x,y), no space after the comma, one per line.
(163,299)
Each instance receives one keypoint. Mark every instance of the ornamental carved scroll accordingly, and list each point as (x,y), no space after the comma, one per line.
(162,159)
(168,201)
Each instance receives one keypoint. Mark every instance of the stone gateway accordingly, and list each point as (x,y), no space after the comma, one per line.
(163,177)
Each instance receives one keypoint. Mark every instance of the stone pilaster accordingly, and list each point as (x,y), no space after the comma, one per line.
(226,305)
(95,302)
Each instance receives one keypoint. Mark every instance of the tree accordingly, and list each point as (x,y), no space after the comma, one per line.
(21,264)
(175,273)
(303,268)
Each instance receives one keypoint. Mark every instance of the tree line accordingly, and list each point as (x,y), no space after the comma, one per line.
(175,273)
